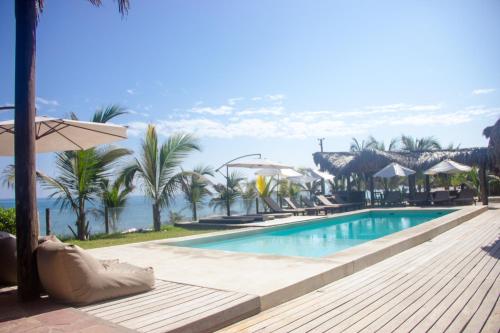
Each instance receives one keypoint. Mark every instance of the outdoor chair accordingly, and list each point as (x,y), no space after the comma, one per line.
(393,198)
(71,275)
(339,206)
(293,205)
(275,208)
(441,198)
(420,199)
(337,199)
(8,259)
(465,197)
(325,208)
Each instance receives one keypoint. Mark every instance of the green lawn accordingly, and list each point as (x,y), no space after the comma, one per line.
(119,239)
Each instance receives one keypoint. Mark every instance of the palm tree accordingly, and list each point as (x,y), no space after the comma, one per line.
(452,146)
(248,194)
(26,13)
(357,146)
(227,193)
(157,168)
(380,145)
(194,185)
(114,196)
(410,144)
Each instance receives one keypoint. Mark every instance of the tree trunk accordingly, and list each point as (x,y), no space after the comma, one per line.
(195,216)
(81,222)
(483,184)
(24,150)
(411,186)
(372,191)
(156,217)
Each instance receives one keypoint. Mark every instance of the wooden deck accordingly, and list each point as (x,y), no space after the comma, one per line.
(449,284)
(176,307)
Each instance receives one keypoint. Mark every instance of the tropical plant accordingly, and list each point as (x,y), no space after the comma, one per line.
(174,217)
(114,197)
(357,146)
(380,145)
(158,168)
(410,144)
(8,220)
(8,176)
(249,193)
(81,174)
(452,146)
(228,192)
(194,185)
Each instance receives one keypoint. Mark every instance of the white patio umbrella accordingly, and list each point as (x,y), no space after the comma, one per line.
(394,170)
(448,167)
(53,134)
(258,163)
(321,175)
(285,173)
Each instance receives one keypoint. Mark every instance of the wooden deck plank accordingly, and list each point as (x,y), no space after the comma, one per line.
(350,309)
(448,281)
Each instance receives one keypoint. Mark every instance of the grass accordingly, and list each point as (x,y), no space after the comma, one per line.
(103,240)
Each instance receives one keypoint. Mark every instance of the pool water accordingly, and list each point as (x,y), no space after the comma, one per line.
(320,238)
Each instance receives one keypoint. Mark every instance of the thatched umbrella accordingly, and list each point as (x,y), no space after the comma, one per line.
(369,161)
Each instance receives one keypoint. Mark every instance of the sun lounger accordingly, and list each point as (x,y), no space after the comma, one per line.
(338,200)
(441,198)
(465,197)
(420,199)
(292,204)
(337,206)
(71,275)
(275,208)
(393,198)
(8,259)
(326,209)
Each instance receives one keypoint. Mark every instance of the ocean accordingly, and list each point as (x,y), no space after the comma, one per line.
(137,213)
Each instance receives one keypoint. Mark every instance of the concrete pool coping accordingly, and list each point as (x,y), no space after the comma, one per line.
(276,279)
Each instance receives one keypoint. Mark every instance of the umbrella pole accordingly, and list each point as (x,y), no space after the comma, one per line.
(24,151)
(228,204)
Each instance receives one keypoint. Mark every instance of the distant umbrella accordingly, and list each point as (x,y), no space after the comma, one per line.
(259,163)
(394,170)
(284,173)
(447,167)
(53,134)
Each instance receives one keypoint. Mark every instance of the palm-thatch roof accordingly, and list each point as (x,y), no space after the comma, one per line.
(369,161)
(493,133)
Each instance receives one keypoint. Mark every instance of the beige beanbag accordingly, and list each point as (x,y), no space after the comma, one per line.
(71,275)
(8,259)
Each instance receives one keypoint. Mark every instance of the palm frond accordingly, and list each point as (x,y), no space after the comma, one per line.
(107,113)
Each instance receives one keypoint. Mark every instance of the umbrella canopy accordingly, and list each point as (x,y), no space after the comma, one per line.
(448,167)
(258,163)
(394,170)
(53,134)
(285,173)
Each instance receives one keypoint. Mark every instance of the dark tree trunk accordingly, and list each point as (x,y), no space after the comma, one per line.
(483,184)
(372,191)
(195,216)
(428,188)
(25,163)
(411,184)
(156,217)
(81,223)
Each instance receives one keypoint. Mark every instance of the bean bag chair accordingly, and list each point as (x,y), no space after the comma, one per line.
(71,275)
(8,259)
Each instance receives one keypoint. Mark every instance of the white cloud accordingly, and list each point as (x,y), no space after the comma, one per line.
(214,111)
(483,91)
(131,91)
(274,111)
(234,100)
(143,114)
(276,98)
(47,102)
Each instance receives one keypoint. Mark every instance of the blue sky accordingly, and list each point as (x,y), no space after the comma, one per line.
(268,76)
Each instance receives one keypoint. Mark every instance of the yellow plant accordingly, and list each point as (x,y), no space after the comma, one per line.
(261,184)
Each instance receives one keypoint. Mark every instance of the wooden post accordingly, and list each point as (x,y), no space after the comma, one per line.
(24,150)
(257,205)
(372,191)
(47,222)
(483,181)
(106,219)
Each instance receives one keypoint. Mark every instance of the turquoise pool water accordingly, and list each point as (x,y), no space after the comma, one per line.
(320,238)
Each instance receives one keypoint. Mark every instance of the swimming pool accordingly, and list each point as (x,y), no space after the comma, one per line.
(322,237)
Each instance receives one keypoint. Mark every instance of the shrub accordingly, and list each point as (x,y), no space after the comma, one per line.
(8,220)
